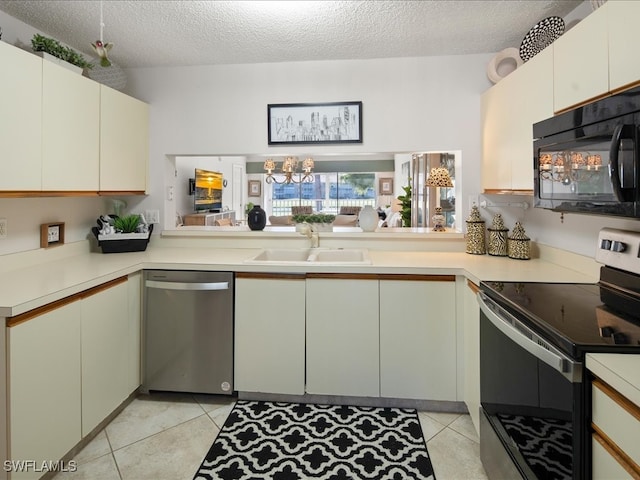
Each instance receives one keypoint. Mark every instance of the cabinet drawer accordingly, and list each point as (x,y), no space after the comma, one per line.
(605,463)
(617,418)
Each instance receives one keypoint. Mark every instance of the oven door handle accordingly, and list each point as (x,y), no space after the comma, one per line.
(526,338)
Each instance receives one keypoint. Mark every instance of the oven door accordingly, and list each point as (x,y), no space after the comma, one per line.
(531,401)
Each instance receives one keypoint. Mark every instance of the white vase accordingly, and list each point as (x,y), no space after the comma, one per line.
(368,219)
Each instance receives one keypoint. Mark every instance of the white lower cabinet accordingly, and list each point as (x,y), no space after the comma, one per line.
(471,353)
(615,427)
(342,336)
(134,329)
(418,338)
(44,386)
(105,354)
(269,333)
(70,365)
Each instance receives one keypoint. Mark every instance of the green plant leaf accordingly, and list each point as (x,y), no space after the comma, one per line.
(126,224)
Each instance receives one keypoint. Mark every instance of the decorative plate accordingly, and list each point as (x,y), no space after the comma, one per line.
(543,34)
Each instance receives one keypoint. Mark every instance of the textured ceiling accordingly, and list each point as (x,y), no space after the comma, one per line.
(149,33)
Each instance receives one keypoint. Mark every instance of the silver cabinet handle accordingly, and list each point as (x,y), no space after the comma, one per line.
(529,340)
(187,285)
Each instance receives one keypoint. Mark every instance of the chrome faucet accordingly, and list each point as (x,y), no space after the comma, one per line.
(306,229)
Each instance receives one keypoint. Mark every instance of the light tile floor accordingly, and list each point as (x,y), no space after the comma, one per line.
(166,436)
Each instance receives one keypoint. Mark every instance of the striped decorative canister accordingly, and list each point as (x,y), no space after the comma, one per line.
(498,237)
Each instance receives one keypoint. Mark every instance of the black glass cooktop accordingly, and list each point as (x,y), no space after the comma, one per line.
(571,316)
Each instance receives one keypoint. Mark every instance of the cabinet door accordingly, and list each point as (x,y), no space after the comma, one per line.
(343,337)
(105,350)
(471,354)
(507,134)
(624,44)
(124,142)
(134,285)
(44,386)
(71,137)
(581,62)
(418,339)
(20,126)
(269,334)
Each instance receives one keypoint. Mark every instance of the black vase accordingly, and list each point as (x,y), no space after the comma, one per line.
(257,218)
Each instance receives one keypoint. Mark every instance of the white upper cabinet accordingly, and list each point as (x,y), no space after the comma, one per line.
(624,43)
(20,126)
(507,130)
(124,142)
(62,132)
(71,130)
(581,62)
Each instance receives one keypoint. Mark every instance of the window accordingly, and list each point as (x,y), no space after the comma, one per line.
(327,193)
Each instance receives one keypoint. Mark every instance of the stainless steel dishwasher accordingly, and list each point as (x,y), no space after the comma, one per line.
(188,331)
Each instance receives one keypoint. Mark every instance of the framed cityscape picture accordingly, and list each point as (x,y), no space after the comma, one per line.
(314,123)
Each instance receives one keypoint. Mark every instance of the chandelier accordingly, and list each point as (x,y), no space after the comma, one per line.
(569,167)
(290,171)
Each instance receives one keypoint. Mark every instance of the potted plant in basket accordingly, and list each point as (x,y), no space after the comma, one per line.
(50,46)
(122,234)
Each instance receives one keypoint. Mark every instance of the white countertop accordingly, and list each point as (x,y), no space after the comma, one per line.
(620,371)
(53,277)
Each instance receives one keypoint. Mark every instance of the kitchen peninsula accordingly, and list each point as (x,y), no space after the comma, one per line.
(409,273)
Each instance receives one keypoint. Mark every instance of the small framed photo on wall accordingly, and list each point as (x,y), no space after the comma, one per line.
(385,186)
(255,188)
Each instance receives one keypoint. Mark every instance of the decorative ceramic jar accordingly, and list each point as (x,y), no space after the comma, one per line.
(519,244)
(257,218)
(497,237)
(438,220)
(368,219)
(476,243)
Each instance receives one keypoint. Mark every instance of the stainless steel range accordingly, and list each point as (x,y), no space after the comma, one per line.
(533,339)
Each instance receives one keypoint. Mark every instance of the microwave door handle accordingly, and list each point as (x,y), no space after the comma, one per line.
(564,365)
(620,133)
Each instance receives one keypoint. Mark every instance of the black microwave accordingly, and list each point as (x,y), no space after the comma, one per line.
(587,160)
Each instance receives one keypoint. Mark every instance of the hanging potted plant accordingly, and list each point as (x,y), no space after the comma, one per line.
(53,50)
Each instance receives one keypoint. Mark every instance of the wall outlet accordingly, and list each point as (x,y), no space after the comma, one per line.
(3,228)
(152,216)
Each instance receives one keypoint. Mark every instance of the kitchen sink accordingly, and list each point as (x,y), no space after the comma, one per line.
(340,256)
(289,255)
(325,256)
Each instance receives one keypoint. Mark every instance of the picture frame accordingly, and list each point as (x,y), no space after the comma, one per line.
(385,186)
(255,188)
(314,123)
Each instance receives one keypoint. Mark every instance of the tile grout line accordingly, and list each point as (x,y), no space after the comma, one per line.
(113,455)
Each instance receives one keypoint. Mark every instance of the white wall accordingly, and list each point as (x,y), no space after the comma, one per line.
(409,104)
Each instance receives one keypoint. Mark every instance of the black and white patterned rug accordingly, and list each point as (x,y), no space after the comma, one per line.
(545,443)
(290,441)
